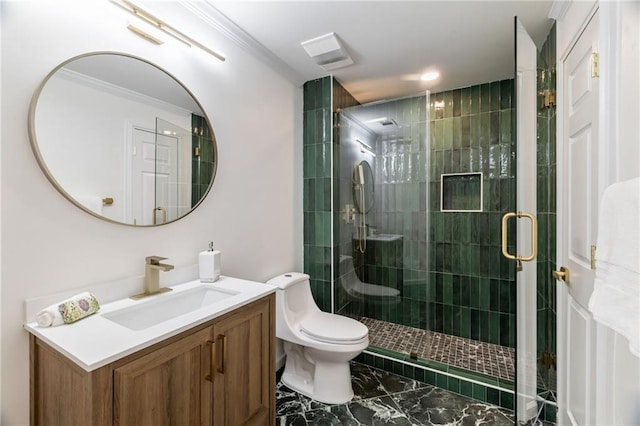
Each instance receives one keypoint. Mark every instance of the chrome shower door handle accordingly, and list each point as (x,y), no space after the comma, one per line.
(534,236)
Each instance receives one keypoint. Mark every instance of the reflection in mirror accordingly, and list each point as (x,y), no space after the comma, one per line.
(122,139)
(363,187)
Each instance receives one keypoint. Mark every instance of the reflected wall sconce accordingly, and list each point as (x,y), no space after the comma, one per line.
(365,148)
(163,26)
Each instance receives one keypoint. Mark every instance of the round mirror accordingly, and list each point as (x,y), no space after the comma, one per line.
(122,139)
(363,190)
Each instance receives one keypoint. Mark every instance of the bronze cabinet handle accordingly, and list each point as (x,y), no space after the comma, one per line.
(212,361)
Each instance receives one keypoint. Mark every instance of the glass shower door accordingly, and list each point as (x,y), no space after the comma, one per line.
(523,251)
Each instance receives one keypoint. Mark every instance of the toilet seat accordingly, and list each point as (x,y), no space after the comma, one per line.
(332,328)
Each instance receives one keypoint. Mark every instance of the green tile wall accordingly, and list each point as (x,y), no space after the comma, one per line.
(317,174)
(471,289)
(546,201)
(320,170)
(203,165)
(401,209)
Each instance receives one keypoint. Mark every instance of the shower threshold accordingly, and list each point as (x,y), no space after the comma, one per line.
(472,355)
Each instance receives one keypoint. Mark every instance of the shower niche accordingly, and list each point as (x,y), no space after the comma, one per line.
(461,192)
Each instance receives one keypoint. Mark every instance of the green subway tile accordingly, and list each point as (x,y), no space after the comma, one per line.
(484,294)
(505,126)
(453,385)
(465,323)
(495,96)
(475,130)
(439,105)
(465,98)
(474,100)
(485,97)
(448,104)
(494,128)
(493,396)
(447,142)
(309,127)
(319,126)
(326,91)
(505,94)
(494,328)
(485,129)
(506,400)
(309,99)
(441,381)
(457,102)
(465,131)
(457,132)
(430,377)
(479,392)
(397,368)
(317,93)
(466,388)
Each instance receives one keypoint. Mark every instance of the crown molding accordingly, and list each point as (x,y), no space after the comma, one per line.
(559,9)
(112,89)
(209,14)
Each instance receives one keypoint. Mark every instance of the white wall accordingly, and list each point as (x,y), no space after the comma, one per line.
(629,157)
(253,213)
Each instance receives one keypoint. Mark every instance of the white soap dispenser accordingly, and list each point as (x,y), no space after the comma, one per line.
(209,262)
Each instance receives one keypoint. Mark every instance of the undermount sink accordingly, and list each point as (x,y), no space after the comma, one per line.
(167,306)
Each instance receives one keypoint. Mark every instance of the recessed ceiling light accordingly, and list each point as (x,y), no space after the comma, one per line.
(430,76)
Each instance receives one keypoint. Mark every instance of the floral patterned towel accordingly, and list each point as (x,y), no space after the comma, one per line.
(78,307)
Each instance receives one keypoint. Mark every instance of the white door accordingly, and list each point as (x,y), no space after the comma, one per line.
(578,218)
(153,169)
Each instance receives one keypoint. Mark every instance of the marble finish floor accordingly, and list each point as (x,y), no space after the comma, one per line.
(486,358)
(383,398)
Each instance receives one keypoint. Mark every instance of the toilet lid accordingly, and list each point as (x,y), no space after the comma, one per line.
(333,328)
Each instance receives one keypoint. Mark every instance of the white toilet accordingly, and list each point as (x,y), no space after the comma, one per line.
(318,345)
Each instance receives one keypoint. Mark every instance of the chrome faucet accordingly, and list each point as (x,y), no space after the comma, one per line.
(152,270)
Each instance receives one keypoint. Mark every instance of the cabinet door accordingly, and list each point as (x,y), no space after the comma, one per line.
(167,386)
(244,383)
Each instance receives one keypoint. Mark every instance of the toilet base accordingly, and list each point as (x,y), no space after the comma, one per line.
(319,375)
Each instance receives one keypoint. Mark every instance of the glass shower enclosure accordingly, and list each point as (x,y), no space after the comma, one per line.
(422,267)
(415,226)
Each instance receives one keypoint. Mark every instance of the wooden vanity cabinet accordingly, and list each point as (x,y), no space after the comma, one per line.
(219,373)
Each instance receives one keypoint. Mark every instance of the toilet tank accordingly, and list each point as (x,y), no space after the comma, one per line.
(293,299)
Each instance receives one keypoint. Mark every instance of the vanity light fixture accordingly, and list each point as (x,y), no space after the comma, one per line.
(163,26)
(144,34)
(365,148)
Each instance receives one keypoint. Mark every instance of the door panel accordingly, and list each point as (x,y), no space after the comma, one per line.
(578,216)
(165,387)
(243,377)
(578,363)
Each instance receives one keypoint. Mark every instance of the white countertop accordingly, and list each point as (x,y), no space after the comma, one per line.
(96,341)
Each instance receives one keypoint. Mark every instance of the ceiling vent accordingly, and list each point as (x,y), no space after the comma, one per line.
(328,52)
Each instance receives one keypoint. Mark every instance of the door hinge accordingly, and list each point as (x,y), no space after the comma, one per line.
(548,98)
(595,65)
(593,258)
(549,360)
